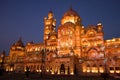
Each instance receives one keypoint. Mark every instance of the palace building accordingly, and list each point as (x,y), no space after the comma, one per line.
(72,49)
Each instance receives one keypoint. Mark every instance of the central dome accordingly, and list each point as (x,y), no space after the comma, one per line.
(70,16)
(71,12)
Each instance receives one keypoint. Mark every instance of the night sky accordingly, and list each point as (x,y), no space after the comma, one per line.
(24,18)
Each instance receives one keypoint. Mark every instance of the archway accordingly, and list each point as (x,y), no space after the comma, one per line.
(92,53)
(62,69)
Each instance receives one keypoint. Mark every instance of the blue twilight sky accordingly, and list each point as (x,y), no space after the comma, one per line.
(24,18)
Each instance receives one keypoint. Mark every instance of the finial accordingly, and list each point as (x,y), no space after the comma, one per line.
(20,38)
(50,11)
(71,8)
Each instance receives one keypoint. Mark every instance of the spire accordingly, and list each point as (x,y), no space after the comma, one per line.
(19,42)
(50,11)
(71,8)
(20,39)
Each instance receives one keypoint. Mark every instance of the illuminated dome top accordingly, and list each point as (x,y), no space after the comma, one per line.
(70,16)
(71,12)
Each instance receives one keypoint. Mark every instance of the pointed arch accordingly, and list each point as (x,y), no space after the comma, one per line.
(92,53)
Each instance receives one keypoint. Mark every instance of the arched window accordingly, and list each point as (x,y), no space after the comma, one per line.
(92,54)
(88,68)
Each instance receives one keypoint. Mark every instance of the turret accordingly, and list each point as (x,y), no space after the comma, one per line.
(49,25)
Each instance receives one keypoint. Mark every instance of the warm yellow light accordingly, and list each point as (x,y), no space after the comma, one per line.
(11,69)
(68,19)
(117,71)
(37,70)
(0,60)
(66,72)
(53,38)
(111,71)
(72,73)
(40,70)
(52,72)
(94,70)
(58,72)
(84,69)
(101,71)
(99,24)
(7,69)
(66,44)
(88,69)
(113,39)
(82,26)
(47,70)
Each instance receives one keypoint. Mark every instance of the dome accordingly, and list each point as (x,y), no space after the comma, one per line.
(71,16)
(70,12)
(67,25)
(66,29)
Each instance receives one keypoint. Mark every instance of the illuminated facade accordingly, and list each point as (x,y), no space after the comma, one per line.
(72,49)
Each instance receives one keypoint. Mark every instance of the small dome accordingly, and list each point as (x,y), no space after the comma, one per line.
(71,16)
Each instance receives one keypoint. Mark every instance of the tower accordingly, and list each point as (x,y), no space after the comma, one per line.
(16,50)
(69,33)
(50,34)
